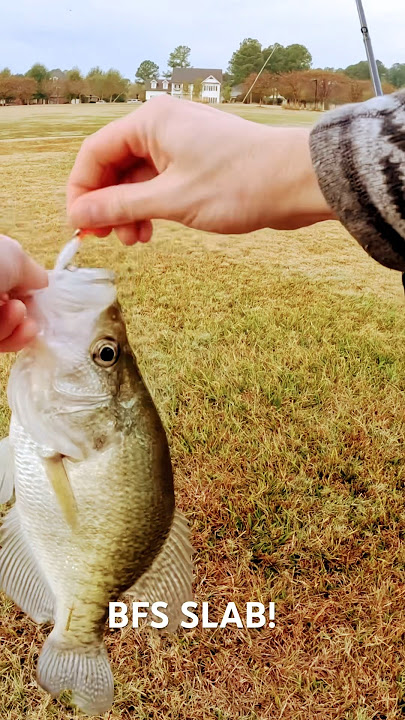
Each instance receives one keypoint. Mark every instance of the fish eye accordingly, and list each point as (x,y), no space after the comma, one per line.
(105,352)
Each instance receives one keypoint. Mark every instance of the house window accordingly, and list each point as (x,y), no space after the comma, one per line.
(176,86)
(153,84)
(165,85)
(210,88)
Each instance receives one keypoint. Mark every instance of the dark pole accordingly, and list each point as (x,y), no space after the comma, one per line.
(369,49)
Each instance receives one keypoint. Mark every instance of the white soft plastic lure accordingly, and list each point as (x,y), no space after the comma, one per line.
(69,251)
(94,514)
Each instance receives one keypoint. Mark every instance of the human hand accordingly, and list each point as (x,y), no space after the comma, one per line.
(19,274)
(207,169)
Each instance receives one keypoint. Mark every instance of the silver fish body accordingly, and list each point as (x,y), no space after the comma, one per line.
(94,513)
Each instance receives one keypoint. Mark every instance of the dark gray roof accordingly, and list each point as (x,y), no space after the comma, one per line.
(159,85)
(190,75)
(57,72)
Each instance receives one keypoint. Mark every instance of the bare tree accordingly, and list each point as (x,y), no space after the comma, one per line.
(326,87)
(264,86)
(7,87)
(74,84)
(137,91)
(294,85)
(25,88)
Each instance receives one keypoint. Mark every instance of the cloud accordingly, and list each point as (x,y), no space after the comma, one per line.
(123,33)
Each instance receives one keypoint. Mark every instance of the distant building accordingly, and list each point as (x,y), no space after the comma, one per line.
(57,78)
(275,99)
(154,88)
(188,83)
(237,93)
(56,99)
(57,74)
(210,81)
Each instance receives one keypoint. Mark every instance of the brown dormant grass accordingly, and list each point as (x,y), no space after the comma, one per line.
(277,363)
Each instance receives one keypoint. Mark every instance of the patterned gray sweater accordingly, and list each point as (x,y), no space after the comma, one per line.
(359,156)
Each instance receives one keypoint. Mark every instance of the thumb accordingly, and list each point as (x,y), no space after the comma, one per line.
(18,272)
(123,204)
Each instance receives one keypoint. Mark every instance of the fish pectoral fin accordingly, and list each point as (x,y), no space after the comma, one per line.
(6,470)
(85,671)
(20,577)
(169,578)
(60,482)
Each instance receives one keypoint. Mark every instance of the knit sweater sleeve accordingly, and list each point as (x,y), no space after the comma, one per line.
(358,153)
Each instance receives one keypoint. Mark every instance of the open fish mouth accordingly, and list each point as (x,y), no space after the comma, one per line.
(71,287)
(70,291)
(81,286)
(93,275)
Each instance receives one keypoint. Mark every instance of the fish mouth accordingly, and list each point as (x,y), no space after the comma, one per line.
(74,289)
(91,275)
(79,408)
(80,402)
(78,281)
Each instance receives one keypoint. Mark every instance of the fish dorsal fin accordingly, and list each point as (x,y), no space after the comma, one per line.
(6,471)
(170,576)
(20,577)
(59,479)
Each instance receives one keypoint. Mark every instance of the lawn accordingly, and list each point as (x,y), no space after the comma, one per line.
(277,362)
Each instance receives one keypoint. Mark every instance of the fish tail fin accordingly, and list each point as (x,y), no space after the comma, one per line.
(84,671)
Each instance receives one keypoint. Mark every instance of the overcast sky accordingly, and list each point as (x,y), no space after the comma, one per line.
(122,33)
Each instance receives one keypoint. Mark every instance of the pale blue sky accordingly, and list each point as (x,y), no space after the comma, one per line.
(122,33)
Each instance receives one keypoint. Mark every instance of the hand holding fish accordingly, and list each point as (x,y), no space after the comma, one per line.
(19,274)
(190,163)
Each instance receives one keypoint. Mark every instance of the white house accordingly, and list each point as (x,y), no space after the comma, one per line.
(154,88)
(185,81)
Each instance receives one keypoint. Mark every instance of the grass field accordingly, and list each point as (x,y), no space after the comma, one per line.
(277,363)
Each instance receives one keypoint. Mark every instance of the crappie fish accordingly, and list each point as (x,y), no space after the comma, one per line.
(94,513)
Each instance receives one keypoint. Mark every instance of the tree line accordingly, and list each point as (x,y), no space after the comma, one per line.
(251,56)
(42,85)
(288,71)
(320,88)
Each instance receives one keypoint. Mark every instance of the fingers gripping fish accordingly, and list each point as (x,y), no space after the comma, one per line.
(87,457)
